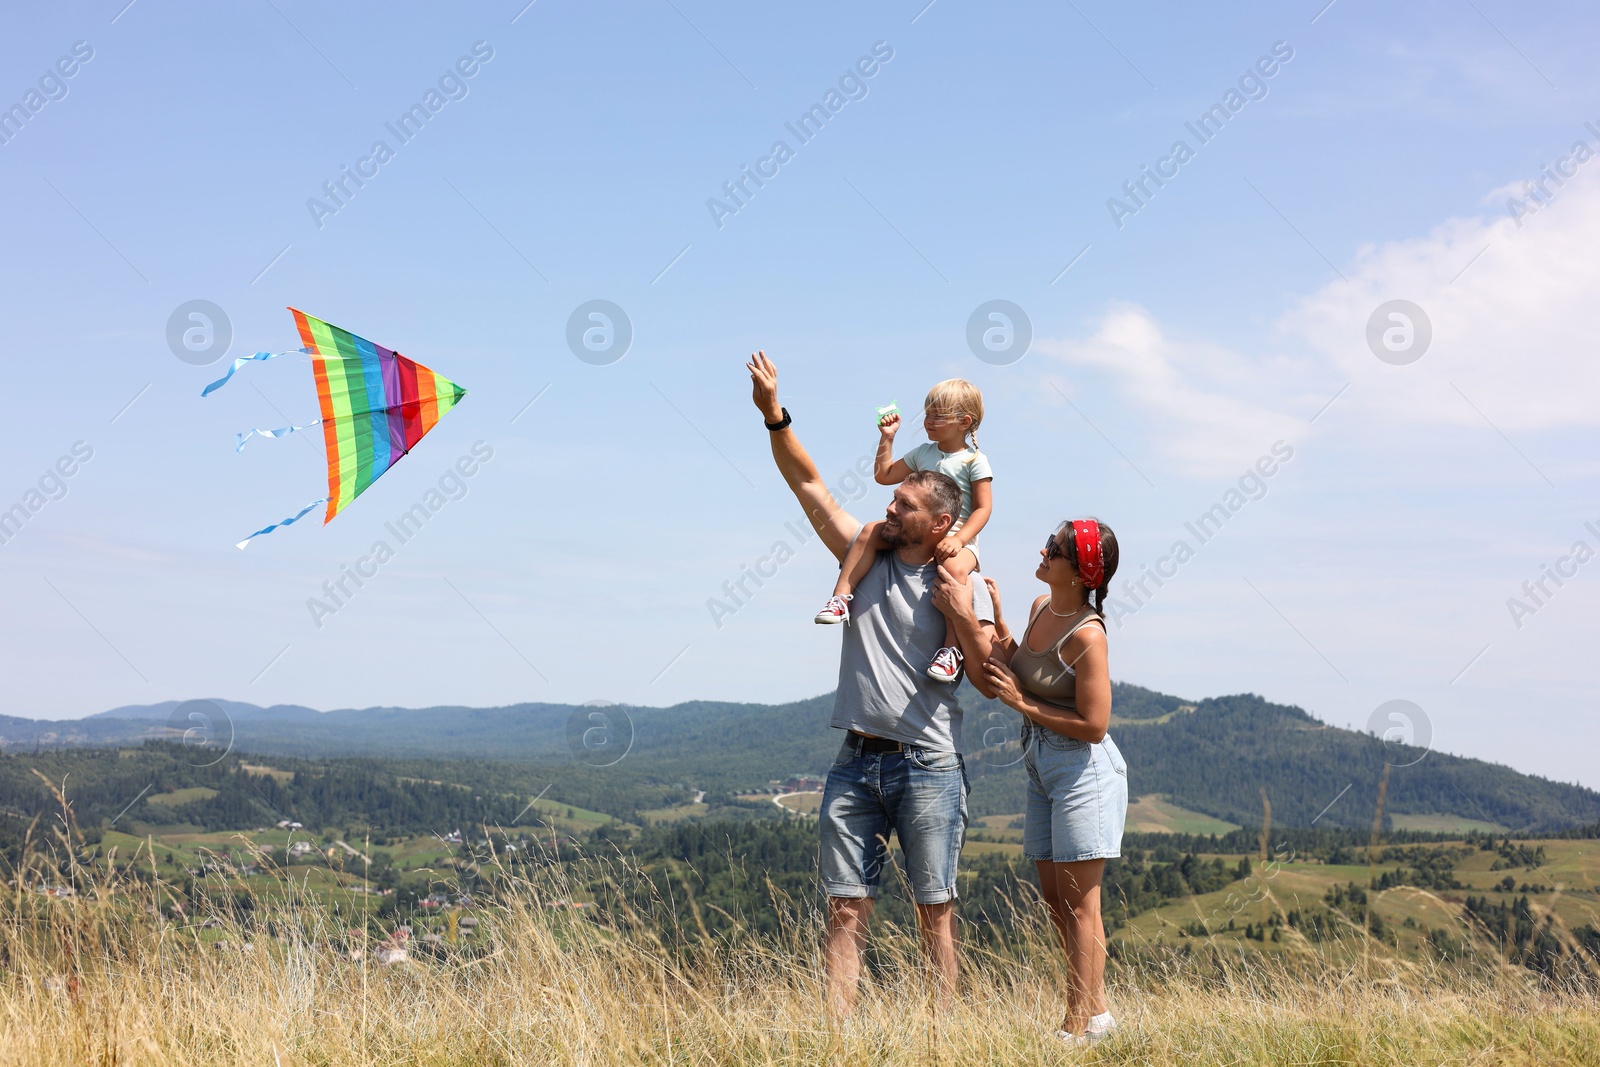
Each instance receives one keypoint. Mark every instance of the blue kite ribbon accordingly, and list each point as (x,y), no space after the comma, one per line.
(241,361)
(285,522)
(282,431)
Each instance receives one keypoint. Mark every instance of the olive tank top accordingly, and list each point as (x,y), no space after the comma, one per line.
(1042,674)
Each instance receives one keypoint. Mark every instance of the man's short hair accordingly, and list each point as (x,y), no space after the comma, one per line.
(944,495)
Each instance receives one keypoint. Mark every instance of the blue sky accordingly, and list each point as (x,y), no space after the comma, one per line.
(576,163)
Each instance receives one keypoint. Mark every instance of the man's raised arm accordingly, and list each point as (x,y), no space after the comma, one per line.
(835,525)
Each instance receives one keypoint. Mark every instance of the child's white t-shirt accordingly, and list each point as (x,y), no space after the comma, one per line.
(966,466)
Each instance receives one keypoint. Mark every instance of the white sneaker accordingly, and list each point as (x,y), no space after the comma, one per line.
(1100,1027)
(836,610)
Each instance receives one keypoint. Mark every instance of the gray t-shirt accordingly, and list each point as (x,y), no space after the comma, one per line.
(894,630)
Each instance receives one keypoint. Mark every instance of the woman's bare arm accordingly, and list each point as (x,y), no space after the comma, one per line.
(1092,718)
(1005,639)
(1085,653)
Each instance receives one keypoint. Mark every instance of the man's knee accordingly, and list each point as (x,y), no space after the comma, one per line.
(849,911)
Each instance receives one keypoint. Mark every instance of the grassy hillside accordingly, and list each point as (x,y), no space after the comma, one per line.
(541,904)
(655,958)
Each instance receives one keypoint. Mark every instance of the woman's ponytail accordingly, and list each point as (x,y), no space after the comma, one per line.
(1109,555)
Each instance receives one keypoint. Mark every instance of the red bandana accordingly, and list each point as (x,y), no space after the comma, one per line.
(1091,563)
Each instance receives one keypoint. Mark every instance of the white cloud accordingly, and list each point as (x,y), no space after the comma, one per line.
(1513,329)
(1513,315)
(1196,393)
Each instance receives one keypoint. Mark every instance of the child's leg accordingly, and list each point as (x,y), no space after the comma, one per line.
(960,565)
(853,568)
(859,559)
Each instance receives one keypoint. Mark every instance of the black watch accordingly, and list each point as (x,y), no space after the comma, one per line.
(781,424)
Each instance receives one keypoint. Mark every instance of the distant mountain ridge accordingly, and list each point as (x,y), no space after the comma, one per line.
(234,708)
(1217,756)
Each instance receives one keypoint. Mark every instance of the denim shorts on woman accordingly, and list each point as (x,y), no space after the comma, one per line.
(918,793)
(1077,797)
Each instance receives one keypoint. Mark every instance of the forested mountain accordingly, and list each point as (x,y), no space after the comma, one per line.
(1217,756)
(1224,755)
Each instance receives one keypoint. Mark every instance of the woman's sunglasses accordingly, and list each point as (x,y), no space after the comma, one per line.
(1053,549)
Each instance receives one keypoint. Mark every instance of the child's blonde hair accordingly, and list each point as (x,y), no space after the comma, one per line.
(957,396)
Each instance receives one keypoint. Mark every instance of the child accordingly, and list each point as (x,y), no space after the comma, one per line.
(951,415)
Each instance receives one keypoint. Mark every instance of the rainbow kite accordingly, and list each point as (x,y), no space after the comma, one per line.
(376,405)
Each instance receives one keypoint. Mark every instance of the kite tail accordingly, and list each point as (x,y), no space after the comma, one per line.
(291,519)
(242,360)
(282,431)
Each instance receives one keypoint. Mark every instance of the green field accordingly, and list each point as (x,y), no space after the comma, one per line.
(1447,824)
(569,818)
(1154,813)
(1565,886)
(998,824)
(265,771)
(181,796)
(1154,720)
(330,873)
(652,816)
(808,803)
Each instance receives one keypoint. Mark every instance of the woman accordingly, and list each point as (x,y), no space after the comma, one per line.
(1056,676)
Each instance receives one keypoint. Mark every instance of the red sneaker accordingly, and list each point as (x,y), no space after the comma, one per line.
(946,665)
(837,610)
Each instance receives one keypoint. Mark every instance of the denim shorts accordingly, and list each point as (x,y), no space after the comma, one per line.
(1077,797)
(918,793)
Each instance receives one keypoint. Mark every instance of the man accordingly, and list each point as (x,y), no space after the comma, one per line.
(900,766)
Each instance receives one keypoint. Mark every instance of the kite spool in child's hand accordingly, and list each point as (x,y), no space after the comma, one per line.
(884,413)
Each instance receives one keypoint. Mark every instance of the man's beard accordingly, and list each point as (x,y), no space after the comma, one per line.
(893,539)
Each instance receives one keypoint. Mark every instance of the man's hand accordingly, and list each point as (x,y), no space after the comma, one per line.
(764,386)
(946,548)
(889,425)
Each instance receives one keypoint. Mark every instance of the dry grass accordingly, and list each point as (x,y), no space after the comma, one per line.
(102,979)
(112,977)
